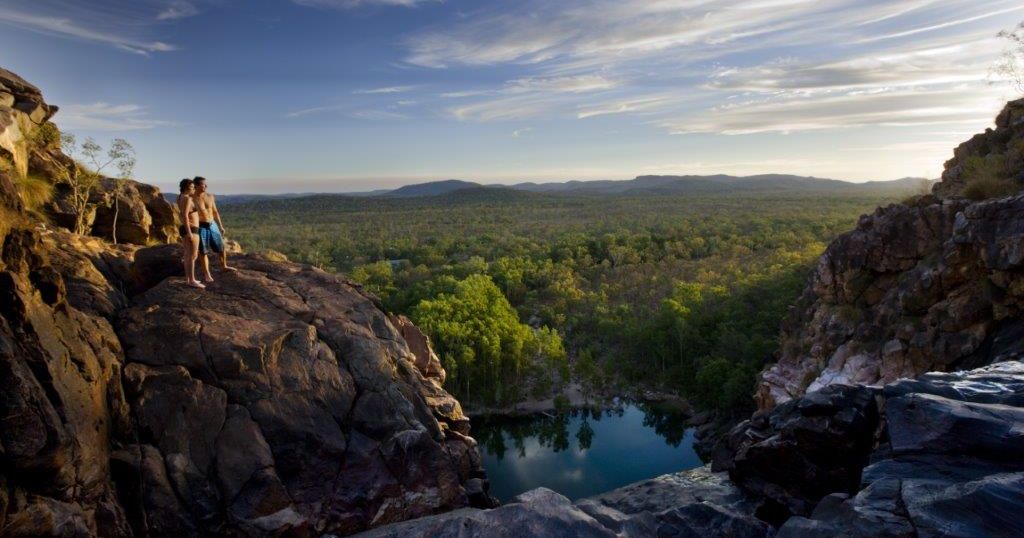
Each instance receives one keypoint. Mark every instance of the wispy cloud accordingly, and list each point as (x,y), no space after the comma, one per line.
(107,117)
(178,9)
(686,65)
(388,89)
(943,25)
(68,28)
(530,96)
(896,108)
(350,4)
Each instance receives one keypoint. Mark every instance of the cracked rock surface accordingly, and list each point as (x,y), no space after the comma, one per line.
(279,401)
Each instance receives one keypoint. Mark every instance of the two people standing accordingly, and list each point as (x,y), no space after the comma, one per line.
(201,230)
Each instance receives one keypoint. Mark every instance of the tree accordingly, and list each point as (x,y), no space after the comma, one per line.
(482,343)
(82,181)
(122,155)
(1011,64)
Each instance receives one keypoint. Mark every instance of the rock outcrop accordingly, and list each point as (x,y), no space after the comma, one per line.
(948,464)
(1004,144)
(692,504)
(143,215)
(280,401)
(802,450)
(936,284)
(22,112)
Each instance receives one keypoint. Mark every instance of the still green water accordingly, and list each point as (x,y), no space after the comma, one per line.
(583,452)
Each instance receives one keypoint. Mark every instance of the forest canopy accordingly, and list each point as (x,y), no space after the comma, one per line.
(522,294)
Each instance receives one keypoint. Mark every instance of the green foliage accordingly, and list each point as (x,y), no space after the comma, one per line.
(561,403)
(987,177)
(47,135)
(485,348)
(660,291)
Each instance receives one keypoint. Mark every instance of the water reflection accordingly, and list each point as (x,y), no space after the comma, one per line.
(584,452)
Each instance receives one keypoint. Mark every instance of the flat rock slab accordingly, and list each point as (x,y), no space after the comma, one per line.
(695,503)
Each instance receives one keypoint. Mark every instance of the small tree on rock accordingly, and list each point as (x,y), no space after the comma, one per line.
(1011,64)
(122,156)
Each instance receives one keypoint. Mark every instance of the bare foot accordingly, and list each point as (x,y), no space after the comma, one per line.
(197,284)
(208,279)
(229,269)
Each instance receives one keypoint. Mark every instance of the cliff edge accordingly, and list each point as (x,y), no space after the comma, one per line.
(933,284)
(281,401)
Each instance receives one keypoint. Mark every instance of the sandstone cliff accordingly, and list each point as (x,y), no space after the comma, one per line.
(932,284)
(280,401)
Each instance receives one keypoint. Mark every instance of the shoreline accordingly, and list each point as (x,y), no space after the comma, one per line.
(577,399)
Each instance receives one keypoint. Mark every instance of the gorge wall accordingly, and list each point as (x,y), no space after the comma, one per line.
(281,401)
(934,284)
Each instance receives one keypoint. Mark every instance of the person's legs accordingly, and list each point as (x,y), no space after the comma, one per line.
(193,254)
(204,261)
(224,262)
(204,251)
(218,246)
(187,261)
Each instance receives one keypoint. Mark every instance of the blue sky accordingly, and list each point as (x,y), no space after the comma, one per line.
(347,95)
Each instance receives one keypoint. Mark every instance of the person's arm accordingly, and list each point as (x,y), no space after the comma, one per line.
(216,214)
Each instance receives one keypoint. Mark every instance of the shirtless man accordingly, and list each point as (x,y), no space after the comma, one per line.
(211,229)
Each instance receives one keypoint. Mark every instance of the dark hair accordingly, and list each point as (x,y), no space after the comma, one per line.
(199,179)
(184,184)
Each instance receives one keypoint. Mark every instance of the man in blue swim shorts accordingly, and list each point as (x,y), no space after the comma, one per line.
(211,229)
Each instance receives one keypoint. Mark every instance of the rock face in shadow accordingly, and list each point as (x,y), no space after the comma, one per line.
(948,464)
(802,450)
(931,285)
(693,504)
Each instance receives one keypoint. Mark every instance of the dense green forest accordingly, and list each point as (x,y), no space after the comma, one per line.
(523,292)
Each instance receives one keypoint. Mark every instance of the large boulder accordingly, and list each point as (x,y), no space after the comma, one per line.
(143,215)
(300,362)
(802,450)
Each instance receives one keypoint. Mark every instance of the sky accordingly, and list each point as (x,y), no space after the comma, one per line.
(265,96)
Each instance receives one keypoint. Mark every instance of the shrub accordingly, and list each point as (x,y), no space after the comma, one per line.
(35,192)
(46,136)
(988,177)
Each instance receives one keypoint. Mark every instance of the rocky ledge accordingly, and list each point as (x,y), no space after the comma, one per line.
(695,503)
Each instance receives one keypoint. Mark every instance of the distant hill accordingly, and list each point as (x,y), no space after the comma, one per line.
(640,186)
(485,193)
(433,188)
(720,184)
